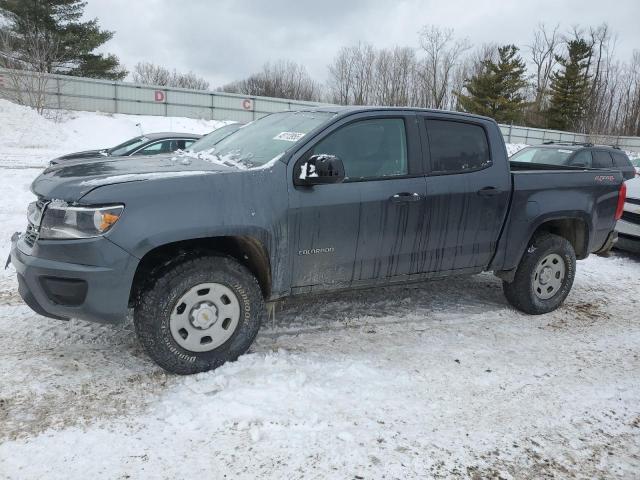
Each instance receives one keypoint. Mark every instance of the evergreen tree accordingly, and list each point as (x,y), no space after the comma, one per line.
(497,90)
(570,88)
(35,24)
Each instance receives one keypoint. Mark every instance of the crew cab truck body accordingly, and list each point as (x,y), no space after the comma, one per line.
(299,202)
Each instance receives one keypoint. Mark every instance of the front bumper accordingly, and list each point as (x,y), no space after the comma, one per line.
(86,279)
(628,227)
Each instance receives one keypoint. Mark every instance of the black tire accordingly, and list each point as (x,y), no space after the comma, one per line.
(520,293)
(157,301)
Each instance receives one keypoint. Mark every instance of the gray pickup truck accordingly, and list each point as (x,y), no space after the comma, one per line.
(298,203)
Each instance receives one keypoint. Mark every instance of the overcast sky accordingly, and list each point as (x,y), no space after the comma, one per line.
(225,40)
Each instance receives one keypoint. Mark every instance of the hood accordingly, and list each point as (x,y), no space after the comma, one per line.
(84,154)
(73,179)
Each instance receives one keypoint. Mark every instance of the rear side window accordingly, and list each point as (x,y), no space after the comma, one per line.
(621,160)
(602,159)
(457,147)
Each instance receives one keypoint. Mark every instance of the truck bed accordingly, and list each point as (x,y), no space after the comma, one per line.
(545,192)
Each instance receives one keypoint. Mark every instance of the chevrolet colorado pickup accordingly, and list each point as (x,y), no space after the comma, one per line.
(198,244)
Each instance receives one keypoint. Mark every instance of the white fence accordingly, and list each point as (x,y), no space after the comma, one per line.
(78,93)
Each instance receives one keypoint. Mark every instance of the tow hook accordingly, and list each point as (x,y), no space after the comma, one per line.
(14,238)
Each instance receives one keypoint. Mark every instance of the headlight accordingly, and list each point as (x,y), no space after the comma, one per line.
(63,221)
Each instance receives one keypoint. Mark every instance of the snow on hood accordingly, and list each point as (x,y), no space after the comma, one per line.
(129,177)
(73,179)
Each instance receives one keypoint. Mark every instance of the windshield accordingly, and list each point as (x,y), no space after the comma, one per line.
(208,141)
(127,146)
(549,156)
(263,140)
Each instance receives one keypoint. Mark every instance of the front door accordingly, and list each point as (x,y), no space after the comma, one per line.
(365,229)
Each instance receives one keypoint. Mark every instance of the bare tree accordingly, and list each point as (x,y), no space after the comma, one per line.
(393,75)
(282,79)
(351,74)
(442,54)
(469,66)
(151,74)
(28,60)
(543,49)
(341,77)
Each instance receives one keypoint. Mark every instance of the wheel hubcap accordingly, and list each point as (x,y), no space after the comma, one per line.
(204,317)
(549,276)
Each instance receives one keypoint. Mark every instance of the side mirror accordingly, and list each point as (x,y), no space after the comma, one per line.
(320,169)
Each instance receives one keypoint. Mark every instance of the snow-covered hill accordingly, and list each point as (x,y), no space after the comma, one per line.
(30,139)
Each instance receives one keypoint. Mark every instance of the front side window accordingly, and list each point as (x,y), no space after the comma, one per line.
(155,148)
(127,147)
(581,159)
(457,147)
(375,148)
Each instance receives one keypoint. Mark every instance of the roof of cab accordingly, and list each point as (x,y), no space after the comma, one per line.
(349,109)
(157,135)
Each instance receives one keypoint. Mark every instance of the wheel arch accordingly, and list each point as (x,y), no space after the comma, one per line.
(573,228)
(246,249)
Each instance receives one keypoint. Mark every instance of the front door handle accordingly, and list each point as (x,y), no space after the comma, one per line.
(489,192)
(406,197)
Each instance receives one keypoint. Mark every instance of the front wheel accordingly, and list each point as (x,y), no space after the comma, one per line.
(544,277)
(198,314)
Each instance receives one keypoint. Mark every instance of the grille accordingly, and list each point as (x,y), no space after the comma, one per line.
(31,235)
(631,217)
(635,201)
(33,230)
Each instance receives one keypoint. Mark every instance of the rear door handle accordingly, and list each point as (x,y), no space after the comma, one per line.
(489,192)
(406,197)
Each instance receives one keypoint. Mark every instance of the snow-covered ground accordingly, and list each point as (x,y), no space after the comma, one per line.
(439,379)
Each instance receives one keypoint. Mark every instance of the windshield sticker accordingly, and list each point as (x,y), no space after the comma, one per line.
(565,151)
(289,136)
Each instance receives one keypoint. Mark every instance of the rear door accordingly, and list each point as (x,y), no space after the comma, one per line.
(468,191)
(365,229)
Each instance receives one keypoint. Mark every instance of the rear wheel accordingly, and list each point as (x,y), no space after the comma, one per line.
(544,277)
(198,314)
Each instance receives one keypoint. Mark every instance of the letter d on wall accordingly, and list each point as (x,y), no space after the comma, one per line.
(159,96)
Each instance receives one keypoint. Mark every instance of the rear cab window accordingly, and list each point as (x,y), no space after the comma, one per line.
(457,147)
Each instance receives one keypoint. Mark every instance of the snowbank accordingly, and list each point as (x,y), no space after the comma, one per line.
(29,139)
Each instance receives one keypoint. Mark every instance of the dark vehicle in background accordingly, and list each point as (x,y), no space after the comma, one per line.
(147,144)
(628,227)
(581,155)
(297,203)
(209,140)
